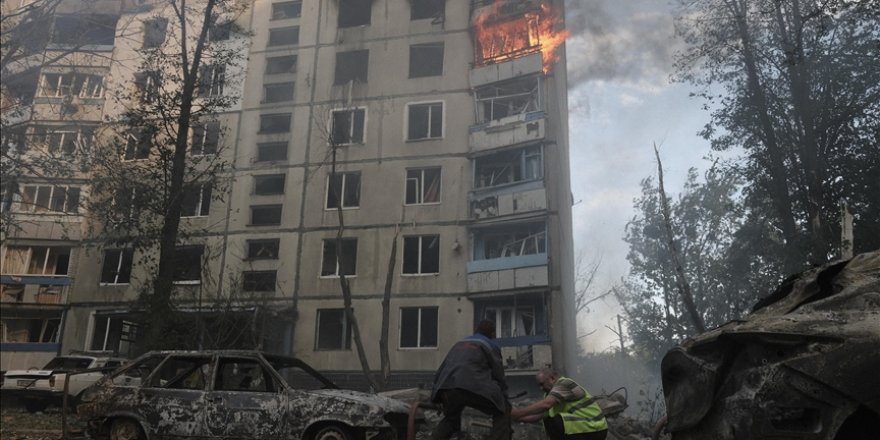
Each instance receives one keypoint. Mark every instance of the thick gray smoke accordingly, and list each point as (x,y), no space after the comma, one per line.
(628,41)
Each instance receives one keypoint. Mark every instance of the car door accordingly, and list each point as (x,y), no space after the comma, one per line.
(174,398)
(246,401)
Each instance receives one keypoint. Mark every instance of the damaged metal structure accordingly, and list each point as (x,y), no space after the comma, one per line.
(233,394)
(802,365)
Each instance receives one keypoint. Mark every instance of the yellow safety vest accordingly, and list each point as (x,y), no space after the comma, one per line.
(580,416)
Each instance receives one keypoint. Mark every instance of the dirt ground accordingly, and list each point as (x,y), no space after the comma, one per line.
(18,424)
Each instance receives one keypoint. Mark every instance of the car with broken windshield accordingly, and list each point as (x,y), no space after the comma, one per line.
(233,394)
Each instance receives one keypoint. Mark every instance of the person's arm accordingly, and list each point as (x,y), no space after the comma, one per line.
(533,412)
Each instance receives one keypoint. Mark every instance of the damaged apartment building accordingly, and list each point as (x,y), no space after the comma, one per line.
(449,123)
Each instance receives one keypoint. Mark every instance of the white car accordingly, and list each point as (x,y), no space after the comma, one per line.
(37,389)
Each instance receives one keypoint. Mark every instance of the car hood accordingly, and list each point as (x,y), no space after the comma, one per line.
(385,403)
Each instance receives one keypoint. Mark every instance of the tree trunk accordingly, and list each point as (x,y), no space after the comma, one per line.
(386,311)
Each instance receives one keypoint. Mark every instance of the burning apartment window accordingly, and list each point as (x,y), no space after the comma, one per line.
(420,9)
(334,264)
(424,121)
(269,184)
(278,92)
(205,138)
(82,85)
(509,98)
(265,215)
(354,12)
(272,151)
(155,30)
(36,260)
(49,198)
(116,268)
(138,144)
(285,10)
(418,327)
(347,126)
(282,64)
(275,123)
(113,333)
(421,254)
(81,30)
(426,60)
(265,249)
(351,66)
(196,201)
(422,186)
(258,281)
(502,35)
(513,241)
(212,79)
(148,84)
(512,321)
(283,36)
(509,166)
(333,331)
(188,264)
(346,187)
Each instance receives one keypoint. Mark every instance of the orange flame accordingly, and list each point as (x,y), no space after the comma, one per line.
(502,36)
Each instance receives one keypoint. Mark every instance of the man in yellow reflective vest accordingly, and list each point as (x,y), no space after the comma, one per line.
(568,410)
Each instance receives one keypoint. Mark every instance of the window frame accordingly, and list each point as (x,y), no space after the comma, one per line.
(419,328)
(205,134)
(281,60)
(155,32)
(351,19)
(253,247)
(424,15)
(430,115)
(276,36)
(527,157)
(262,148)
(180,261)
(270,97)
(264,123)
(51,200)
(276,9)
(344,70)
(421,252)
(343,175)
(73,87)
(352,126)
(337,267)
(124,256)
(345,344)
(203,201)
(421,186)
(245,283)
(212,80)
(267,206)
(417,60)
(267,177)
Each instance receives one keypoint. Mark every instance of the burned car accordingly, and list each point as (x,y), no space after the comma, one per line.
(802,365)
(233,394)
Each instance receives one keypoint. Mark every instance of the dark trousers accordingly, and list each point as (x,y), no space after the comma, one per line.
(556,431)
(455,400)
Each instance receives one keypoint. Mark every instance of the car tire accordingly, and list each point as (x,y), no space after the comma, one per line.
(125,429)
(332,432)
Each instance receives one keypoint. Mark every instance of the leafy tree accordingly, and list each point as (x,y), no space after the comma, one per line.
(801,97)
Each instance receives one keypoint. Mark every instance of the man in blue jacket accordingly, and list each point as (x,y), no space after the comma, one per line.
(472,375)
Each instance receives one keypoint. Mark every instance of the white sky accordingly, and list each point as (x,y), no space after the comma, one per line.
(621,102)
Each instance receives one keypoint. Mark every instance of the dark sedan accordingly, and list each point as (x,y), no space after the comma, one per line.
(233,394)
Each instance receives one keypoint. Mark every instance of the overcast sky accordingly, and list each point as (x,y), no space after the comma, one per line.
(621,101)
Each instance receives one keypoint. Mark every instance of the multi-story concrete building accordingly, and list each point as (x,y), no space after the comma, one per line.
(449,123)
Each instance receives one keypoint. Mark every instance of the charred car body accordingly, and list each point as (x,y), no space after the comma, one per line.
(803,365)
(233,394)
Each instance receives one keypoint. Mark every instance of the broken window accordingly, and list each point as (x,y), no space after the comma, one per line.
(196,201)
(49,198)
(283,36)
(265,249)
(501,36)
(139,143)
(347,126)
(183,373)
(421,254)
(509,98)
(285,10)
(64,140)
(82,85)
(205,138)
(212,79)
(282,64)
(138,372)
(509,166)
(275,123)
(126,204)
(35,330)
(333,265)
(36,260)
(117,266)
(278,92)
(512,241)
(258,281)
(80,29)
(418,327)
(155,30)
(148,85)
(269,184)
(512,321)
(420,9)
(271,151)
(248,375)
(425,121)
(354,13)
(351,66)
(7,195)
(220,31)
(422,186)
(425,60)
(346,187)
(264,215)
(333,331)
(188,264)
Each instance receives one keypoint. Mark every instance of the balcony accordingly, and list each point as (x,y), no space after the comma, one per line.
(510,130)
(508,200)
(508,256)
(34,289)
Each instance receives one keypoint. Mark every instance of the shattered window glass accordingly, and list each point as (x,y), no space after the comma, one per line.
(346,187)
(116,268)
(426,60)
(423,186)
(509,166)
(354,13)
(247,375)
(138,372)
(263,249)
(333,264)
(351,66)
(188,263)
(183,373)
(138,144)
(421,254)
(196,201)
(263,215)
(421,9)
(425,121)
(333,332)
(509,98)
(418,327)
(259,281)
(513,241)
(347,126)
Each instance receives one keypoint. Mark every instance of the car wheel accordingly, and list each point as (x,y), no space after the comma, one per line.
(125,429)
(332,432)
